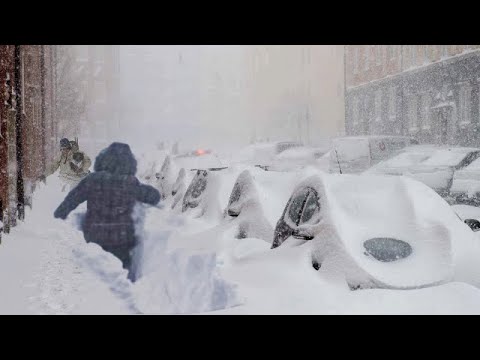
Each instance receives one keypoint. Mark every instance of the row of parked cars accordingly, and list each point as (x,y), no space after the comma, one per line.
(452,171)
(381,231)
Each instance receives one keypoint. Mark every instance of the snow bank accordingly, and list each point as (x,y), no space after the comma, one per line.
(185,283)
(176,277)
(289,285)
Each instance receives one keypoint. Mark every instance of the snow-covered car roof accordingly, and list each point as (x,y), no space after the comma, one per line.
(274,189)
(356,209)
(356,154)
(199,162)
(420,157)
(298,158)
(263,153)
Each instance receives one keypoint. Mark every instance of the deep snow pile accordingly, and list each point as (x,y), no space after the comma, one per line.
(56,272)
(282,281)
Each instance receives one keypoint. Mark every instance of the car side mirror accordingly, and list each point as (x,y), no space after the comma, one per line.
(302,234)
(473,224)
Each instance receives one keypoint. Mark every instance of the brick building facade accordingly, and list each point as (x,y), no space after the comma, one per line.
(28,136)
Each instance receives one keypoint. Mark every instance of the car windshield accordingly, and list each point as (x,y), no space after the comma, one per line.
(198,185)
(447,157)
(311,207)
(296,205)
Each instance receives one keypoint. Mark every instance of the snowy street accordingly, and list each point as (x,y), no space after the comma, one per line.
(189,266)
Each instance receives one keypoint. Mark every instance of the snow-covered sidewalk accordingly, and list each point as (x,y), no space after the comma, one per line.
(42,270)
(47,268)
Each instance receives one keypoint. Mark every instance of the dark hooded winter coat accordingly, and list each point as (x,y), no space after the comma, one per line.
(111,192)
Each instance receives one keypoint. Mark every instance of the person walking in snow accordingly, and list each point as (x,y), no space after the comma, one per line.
(74,164)
(111,192)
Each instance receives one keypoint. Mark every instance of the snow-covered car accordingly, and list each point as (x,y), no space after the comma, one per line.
(298,158)
(195,190)
(355,154)
(439,169)
(257,199)
(466,184)
(284,156)
(470,215)
(401,162)
(433,165)
(263,154)
(379,231)
(208,191)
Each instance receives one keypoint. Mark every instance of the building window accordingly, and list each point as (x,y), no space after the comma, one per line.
(378,54)
(378,105)
(392,103)
(425,111)
(367,57)
(355,60)
(464,108)
(412,113)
